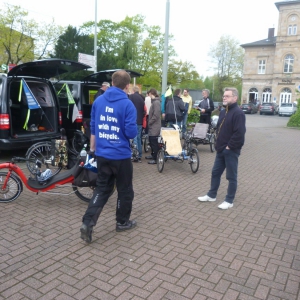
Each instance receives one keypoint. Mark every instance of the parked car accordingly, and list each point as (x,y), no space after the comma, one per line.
(218,105)
(268,108)
(249,108)
(29,107)
(196,103)
(83,93)
(287,109)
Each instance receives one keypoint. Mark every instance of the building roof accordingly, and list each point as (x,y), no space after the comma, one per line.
(262,43)
(287,2)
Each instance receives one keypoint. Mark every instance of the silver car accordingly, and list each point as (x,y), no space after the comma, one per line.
(196,103)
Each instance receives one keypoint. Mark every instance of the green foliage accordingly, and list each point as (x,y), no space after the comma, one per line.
(72,42)
(294,120)
(227,58)
(131,44)
(23,39)
(194,116)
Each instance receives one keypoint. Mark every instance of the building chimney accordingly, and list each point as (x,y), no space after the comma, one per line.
(271,33)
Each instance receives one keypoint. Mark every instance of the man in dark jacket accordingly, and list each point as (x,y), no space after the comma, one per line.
(206,107)
(174,109)
(230,137)
(101,91)
(139,104)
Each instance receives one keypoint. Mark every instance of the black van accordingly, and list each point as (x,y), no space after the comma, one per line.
(29,108)
(83,93)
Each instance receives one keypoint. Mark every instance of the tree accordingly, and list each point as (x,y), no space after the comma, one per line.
(72,42)
(131,44)
(227,58)
(22,39)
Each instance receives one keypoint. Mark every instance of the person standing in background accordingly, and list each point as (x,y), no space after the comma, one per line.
(139,104)
(188,104)
(206,107)
(154,125)
(148,105)
(105,85)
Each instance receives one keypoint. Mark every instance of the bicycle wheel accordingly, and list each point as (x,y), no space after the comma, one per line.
(86,193)
(160,160)
(134,154)
(42,151)
(12,190)
(146,144)
(212,142)
(78,141)
(194,160)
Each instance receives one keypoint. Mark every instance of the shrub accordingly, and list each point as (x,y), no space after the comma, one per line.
(294,120)
(193,116)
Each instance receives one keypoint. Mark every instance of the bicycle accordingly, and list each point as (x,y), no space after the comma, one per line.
(46,152)
(11,182)
(145,142)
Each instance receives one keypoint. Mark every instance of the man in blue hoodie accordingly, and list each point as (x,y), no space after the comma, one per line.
(113,124)
(230,137)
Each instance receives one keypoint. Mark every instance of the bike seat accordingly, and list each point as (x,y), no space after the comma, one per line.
(32,182)
(200,131)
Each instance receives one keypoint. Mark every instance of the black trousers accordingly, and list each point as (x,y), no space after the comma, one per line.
(205,118)
(153,141)
(109,172)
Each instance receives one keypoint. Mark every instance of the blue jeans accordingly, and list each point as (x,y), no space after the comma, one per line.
(184,121)
(138,140)
(228,160)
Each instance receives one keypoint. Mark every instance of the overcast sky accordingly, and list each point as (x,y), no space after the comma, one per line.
(196,25)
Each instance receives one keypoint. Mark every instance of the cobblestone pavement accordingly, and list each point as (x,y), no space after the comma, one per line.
(181,248)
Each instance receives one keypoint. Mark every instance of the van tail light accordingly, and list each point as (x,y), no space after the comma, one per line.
(59,118)
(79,117)
(4,122)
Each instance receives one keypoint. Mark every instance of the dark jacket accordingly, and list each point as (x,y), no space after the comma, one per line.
(139,103)
(170,111)
(232,131)
(99,93)
(203,104)
(154,121)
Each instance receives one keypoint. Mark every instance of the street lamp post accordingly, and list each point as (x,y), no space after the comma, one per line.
(166,44)
(95,38)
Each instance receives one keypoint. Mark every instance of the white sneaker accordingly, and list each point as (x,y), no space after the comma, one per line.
(225,205)
(206,198)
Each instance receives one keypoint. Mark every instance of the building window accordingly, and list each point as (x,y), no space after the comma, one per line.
(262,66)
(288,63)
(286,96)
(292,30)
(267,95)
(253,93)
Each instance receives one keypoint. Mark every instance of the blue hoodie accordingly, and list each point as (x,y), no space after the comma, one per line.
(113,122)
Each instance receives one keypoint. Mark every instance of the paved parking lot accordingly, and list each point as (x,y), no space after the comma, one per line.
(181,249)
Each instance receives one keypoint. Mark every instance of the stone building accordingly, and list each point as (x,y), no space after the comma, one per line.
(272,66)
